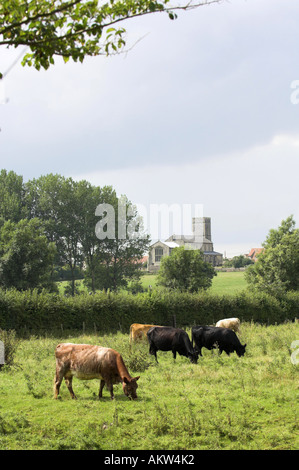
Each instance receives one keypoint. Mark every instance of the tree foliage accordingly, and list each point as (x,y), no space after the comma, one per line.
(11,196)
(276,270)
(239,261)
(63,212)
(75,28)
(26,256)
(62,205)
(117,259)
(185,270)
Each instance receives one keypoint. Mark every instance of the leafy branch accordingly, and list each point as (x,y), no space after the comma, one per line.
(75,29)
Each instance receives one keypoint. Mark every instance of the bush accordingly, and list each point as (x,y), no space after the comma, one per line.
(135,287)
(30,311)
(138,358)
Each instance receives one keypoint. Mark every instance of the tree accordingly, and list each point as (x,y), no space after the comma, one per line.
(60,203)
(68,210)
(26,256)
(276,270)
(117,259)
(74,28)
(185,270)
(237,262)
(90,197)
(11,196)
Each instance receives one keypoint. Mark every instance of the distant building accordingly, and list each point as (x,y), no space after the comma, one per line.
(199,240)
(254,252)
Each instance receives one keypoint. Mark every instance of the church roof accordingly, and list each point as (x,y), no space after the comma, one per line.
(190,238)
(169,244)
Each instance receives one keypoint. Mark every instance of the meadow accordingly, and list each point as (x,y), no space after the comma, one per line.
(223,402)
(228,282)
(223,283)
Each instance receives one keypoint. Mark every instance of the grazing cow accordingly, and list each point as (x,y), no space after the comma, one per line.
(166,338)
(210,337)
(86,362)
(138,331)
(231,323)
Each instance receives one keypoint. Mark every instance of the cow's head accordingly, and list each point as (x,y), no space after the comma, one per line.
(241,350)
(130,386)
(193,356)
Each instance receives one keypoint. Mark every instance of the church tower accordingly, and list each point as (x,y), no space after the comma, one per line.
(201,227)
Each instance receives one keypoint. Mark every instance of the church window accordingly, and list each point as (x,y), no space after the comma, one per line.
(158,254)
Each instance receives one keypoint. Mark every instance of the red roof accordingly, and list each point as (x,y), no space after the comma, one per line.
(254,252)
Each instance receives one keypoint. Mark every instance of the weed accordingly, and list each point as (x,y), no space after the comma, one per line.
(11,423)
(138,359)
(36,384)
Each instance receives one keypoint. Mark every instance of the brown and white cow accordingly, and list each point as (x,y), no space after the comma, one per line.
(86,362)
(138,331)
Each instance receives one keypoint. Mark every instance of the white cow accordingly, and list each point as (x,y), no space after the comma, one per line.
(231,323)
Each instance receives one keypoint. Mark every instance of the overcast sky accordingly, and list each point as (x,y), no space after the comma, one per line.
(200,112)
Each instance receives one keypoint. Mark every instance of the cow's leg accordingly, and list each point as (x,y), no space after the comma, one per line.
(174,354)
(69,381)
(153,351)
(57,381)
(110,388)
(102,384)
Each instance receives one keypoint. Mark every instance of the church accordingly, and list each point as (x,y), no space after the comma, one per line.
(200,239)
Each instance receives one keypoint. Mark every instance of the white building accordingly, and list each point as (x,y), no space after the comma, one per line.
(200,240)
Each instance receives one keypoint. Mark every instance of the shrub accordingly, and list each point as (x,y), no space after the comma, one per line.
(36,312)
(137,358)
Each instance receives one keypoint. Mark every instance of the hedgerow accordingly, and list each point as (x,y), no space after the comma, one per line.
(109,312)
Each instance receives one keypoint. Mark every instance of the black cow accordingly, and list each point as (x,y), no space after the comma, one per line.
(211,336)
(166,338)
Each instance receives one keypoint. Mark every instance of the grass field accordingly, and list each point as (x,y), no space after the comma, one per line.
(223,283)
(228,282)
(223,402)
